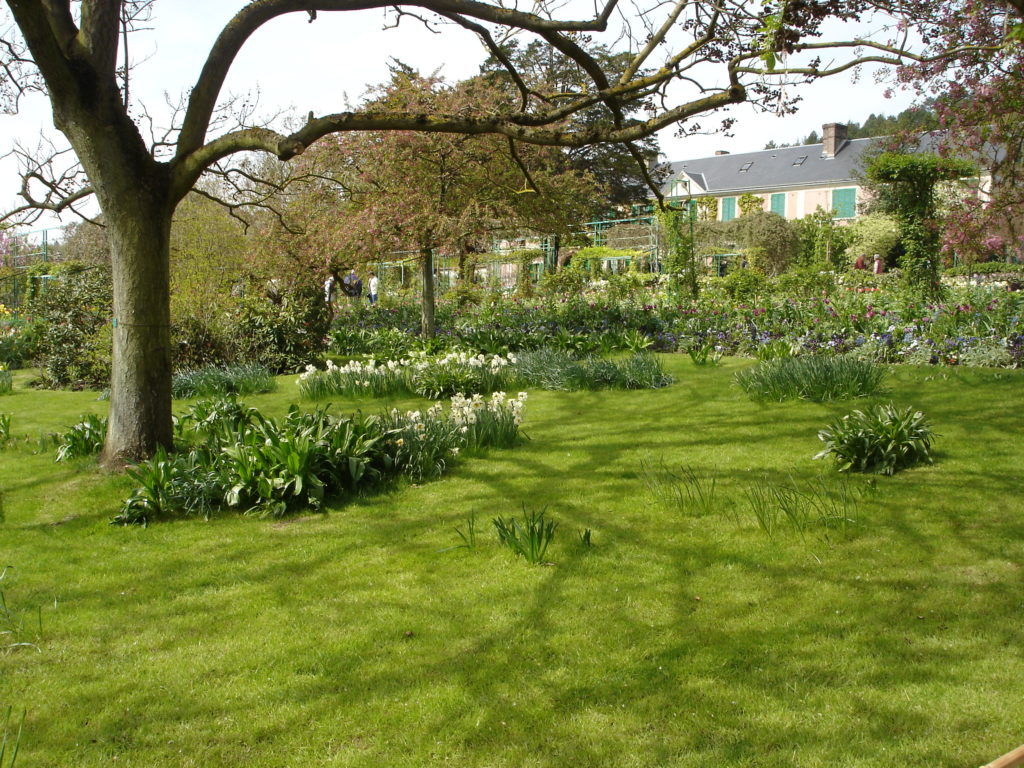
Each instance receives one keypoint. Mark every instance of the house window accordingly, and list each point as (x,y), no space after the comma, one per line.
(844,202)
(800,160)
(779,204)
(679,188)
(728,208)
(746,167)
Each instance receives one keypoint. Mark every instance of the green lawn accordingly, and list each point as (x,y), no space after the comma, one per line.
(351,638)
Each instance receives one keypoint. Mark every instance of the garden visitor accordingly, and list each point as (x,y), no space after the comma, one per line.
(374,286)
(352,285)
(860,263)
(878,265)
(329,286)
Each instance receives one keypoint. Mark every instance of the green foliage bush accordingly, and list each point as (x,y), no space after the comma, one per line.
(221,380)
(6,381)
(882,439)
(233,456)
(83,439)
(745,285)
(73,315)
(197,342)
(871,234)
(817,378)
(805,282)
(19,342)
(283,337)
(770,239)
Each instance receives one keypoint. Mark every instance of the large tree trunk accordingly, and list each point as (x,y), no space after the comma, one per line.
(140,386)
(427,326)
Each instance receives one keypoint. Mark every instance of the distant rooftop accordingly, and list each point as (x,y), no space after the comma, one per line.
(809,165)
(805,166)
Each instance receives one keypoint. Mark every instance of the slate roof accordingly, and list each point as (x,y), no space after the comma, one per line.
(781,169)
(771,169)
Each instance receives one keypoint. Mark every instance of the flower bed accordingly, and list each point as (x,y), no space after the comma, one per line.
(975,325)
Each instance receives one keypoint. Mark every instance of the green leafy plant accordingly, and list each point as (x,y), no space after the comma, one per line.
(9,743)
(680,488)
(83,439)
(6,381)
(824,506)
(219,379)
(817,378)
(557,369)
(530,538)
(704,353)
(5,428)
(586,538)
(467,534)
(636,341)
(184,484)
(882,439)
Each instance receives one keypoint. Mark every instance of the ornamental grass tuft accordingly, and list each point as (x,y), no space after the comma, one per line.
(222,380)
(882,439)
(816,378)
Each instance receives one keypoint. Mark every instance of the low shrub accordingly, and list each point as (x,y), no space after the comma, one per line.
(83,439)
(74,318)
(283,336)
(197,343)
(233,456)
(817,378)
(19,342)
(459,372)
(221,380)
(556,369)
(354,379)
(6,381)
(881,439)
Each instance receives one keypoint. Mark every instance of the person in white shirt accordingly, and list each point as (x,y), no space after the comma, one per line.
(374,285)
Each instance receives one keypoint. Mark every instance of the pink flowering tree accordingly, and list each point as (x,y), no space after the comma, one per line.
(406,191)
(980,103)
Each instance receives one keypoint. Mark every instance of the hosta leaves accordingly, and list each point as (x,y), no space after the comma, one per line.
(881,439)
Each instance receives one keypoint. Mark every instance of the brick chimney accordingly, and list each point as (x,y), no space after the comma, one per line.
(720,152)
(833,138)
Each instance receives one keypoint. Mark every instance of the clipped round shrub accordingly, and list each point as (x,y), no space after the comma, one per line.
(745,285)
(881,439)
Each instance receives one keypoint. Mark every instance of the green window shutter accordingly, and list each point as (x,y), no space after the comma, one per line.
(779,204)
(728,208)
(844,202)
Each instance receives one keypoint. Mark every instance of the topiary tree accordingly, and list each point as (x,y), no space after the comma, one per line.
(907,189)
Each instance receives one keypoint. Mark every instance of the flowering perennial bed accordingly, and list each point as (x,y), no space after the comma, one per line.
(233,456)
(975,325)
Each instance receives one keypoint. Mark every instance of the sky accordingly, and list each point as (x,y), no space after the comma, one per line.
(294,66)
